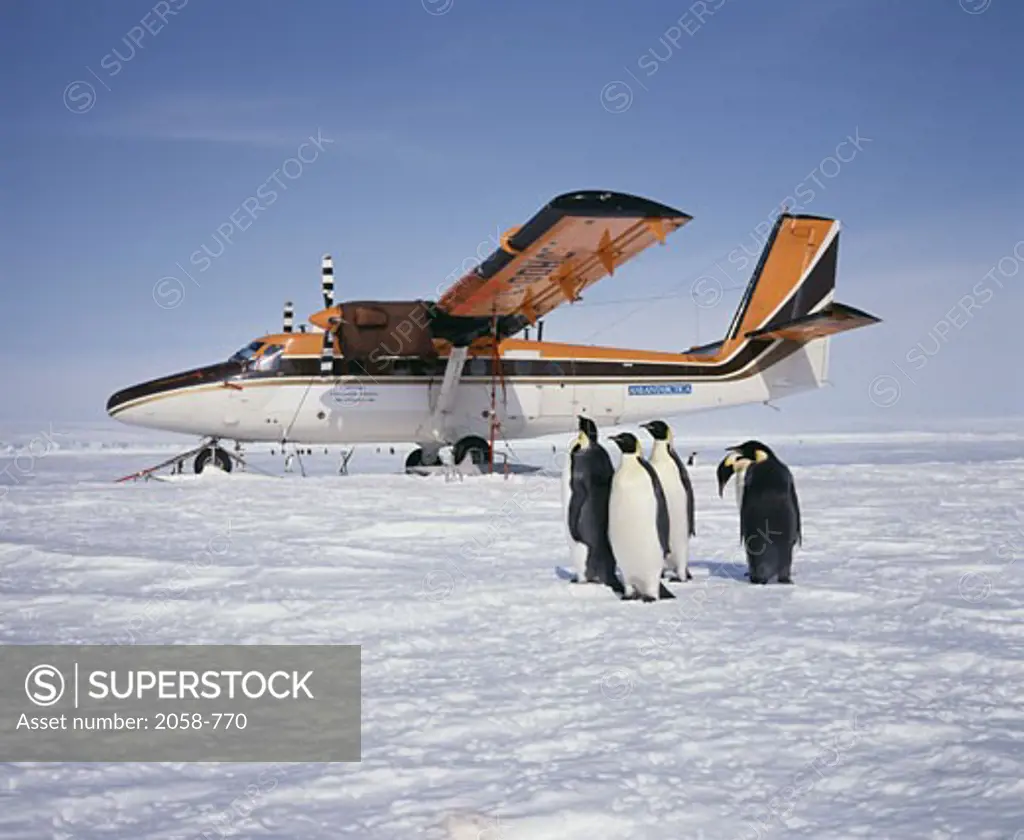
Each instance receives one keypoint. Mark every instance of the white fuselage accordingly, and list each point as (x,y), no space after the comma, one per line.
(633,528)
(678,510)
(363,410)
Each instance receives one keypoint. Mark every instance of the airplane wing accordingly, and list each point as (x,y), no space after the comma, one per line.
(568,245)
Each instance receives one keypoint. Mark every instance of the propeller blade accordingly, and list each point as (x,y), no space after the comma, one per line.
(327,280)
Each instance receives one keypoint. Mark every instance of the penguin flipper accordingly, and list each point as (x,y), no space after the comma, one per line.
(684,476)
(662,520)
(796,511)
(578,495)
(664,592)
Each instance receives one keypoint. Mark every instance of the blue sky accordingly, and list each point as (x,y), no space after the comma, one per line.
(130,132)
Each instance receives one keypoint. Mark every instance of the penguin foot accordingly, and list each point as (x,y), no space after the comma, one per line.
(630,596)
(688,575)
(648,599)
(786,580)
(761,581)
(671,575)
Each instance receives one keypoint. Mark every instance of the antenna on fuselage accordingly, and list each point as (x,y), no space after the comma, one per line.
(540,331)
(289,316)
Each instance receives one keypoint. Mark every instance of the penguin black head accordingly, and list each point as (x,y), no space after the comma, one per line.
(658,429)
(627,443)
(739,458)
(725,471)
(753,450)
(588,427)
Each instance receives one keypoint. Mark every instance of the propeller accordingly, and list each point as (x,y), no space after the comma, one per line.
(327,357)
(327,280)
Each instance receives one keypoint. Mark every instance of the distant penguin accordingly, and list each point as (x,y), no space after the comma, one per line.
(692,460)
(732,464)
(769,512)
(675,482)
(638,523)
(586,486)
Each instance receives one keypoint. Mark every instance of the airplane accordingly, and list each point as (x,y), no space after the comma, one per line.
(458,370)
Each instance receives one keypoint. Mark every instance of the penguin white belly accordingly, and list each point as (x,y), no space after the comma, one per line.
(740,478)
(678,513)
(577,551)
(633,530)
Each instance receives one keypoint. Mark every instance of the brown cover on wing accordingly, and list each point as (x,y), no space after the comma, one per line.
(377,329)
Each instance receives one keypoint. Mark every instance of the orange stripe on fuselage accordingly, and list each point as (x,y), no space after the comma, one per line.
(555,350)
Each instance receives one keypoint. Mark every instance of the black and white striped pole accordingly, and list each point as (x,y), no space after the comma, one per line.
(327,354)
(327,280)
(289,316)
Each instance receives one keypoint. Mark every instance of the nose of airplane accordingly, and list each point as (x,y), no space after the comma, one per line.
(119,398)
(126,398)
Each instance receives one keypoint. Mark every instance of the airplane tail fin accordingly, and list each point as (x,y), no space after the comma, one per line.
(790,298)
(795,276)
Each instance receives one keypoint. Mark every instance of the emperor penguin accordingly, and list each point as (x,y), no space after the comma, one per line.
(769,511)
(588,482)
(638,523)
(675,482)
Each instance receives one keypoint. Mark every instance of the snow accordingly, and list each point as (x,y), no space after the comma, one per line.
(879,697)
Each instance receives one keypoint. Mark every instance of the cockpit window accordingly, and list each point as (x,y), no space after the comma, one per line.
(271,357)
(247,352)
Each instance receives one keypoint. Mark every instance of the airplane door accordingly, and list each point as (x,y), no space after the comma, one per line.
(556,397)
(603,402)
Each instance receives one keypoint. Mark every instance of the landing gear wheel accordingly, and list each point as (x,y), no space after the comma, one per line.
(219,457)
(477,448)
(414,459)
(423,456)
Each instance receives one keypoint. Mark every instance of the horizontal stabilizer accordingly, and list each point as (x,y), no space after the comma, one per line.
(833,318)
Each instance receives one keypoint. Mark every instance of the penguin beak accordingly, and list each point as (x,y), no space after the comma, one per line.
(647,428)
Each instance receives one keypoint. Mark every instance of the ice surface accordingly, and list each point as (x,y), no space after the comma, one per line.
(882,696)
